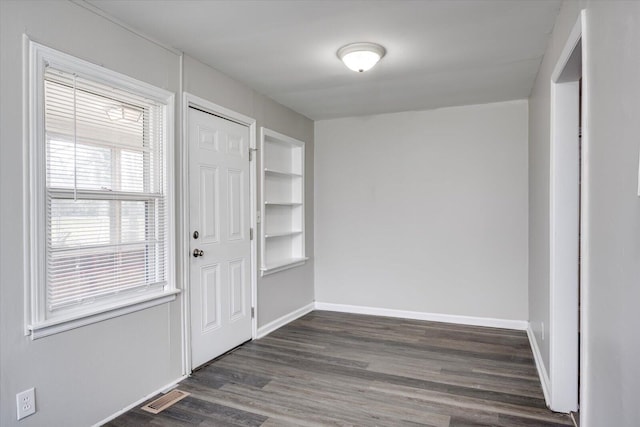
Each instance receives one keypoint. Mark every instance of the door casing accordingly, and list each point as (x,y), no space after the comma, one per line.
(190,100)
(568,229)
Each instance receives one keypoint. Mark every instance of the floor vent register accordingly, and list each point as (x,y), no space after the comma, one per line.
(165,401)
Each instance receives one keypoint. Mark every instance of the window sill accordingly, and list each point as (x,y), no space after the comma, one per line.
(54,326)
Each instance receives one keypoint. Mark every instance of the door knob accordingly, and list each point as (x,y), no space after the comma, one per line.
(198,252)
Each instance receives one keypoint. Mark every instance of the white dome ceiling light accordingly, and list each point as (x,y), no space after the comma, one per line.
(361,57)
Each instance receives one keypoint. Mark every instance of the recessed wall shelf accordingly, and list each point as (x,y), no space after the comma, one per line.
(282,231)
(280,173)
(283,265)
(282,234)
(282,204)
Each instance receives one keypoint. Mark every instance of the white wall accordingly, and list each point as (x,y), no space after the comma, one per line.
(611,287)
(282,293)
(87,374)
(613,63)
(103,367)
(424,211)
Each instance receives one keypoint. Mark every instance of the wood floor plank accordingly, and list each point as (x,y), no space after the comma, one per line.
(340,369)
(457,403)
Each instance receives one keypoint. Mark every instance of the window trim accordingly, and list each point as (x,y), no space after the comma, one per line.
(37,324)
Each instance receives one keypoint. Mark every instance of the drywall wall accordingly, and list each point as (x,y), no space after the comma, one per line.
(613,291)
(425,211)
(86,374)
(286,291)
(611,385)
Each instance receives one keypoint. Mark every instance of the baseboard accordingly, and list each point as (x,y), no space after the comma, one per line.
(265,330)
(164,389)
(542,372)
(520,325)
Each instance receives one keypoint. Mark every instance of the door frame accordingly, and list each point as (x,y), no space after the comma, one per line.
(190,100)
(568,240)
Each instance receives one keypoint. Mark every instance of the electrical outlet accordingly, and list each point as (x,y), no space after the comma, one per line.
(26,403)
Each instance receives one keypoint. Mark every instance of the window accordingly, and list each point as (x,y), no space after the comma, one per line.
(101,226)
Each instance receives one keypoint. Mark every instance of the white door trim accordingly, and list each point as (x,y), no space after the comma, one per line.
(585,236)
(563,228)
(190,100)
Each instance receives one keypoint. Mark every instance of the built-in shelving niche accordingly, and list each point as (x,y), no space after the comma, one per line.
(282,207)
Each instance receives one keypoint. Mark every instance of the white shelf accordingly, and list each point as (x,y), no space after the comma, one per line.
(282,204)
(282,185)
(282,265)
(274,172)
(282,234)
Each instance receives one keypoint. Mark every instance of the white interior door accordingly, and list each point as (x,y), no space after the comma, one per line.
(219,204)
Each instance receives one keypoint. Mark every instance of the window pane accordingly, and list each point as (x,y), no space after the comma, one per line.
(132,171)
(81,275)
(100,222)
(91,170)
(134,218)
(98,117)
(81,223)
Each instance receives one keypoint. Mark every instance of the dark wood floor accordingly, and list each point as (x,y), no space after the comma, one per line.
(353,370)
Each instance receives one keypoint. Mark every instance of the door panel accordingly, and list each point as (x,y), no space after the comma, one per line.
(209,189)
(219,213)
(235,180)
(210,302)
(237,287)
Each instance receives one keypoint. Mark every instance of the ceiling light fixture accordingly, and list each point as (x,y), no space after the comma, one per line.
(361,56)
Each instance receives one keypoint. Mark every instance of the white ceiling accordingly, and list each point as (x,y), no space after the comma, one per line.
(439,52)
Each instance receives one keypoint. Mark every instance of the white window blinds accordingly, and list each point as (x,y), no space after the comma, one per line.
(106,207)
